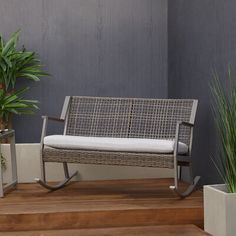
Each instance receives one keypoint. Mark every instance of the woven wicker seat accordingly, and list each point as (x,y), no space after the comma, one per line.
(168,119)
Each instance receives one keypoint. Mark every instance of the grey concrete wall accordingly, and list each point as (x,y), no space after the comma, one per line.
(90,47)
(202,36)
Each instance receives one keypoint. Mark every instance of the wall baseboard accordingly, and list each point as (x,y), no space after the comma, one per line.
(28,167)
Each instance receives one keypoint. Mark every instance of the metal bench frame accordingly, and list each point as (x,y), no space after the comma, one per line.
(127,118)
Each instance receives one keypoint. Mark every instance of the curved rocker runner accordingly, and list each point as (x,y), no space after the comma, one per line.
(189,190)
(56,186)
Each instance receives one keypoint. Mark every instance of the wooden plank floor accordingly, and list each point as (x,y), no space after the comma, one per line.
(177,230)
(98,204)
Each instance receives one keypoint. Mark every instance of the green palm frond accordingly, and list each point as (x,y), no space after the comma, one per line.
(16,104)
(15,64)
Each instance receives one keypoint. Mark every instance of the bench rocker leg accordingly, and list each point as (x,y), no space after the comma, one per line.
(59,185)
(177,177)
(188,191)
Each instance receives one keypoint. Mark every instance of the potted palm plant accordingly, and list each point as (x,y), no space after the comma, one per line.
(220,200)
(15,65)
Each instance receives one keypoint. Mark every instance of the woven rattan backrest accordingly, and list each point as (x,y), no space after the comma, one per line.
(128,117)
(108,117)
(158,118)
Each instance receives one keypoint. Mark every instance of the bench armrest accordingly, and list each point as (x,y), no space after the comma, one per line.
(184,123)
(178,127)
(53,118)
(45,124)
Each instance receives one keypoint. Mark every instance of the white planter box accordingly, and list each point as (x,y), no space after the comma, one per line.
(219,211)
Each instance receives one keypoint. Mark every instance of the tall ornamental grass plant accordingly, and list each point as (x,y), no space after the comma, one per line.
(224,109)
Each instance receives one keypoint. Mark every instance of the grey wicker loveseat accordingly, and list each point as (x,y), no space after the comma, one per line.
(136,121)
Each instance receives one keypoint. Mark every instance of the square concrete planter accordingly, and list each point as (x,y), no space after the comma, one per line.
(219,210)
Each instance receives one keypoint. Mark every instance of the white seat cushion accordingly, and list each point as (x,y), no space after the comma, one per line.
(114,144)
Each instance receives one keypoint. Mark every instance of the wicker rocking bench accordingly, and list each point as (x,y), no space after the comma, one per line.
(122,131)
